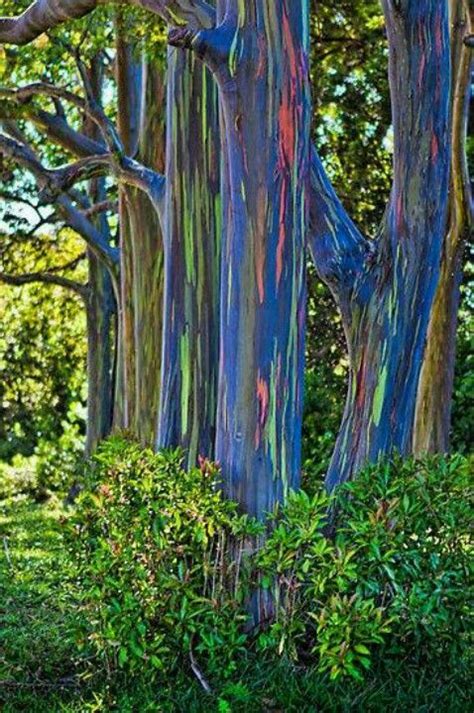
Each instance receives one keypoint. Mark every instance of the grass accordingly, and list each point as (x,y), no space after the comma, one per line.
(42,668)
(37,607)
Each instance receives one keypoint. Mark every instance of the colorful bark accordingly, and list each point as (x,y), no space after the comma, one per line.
(259,59)
(390,300)
(101,302)
(140,90)
(100,308)
(433,414)
(193,222)
(129,88)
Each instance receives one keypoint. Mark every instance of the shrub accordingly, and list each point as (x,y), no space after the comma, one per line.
(395,576)
(164,588)
(153,541)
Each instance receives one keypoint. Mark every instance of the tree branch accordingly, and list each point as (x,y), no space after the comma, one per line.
(102,207)
(340,252)
(44,15)
(90,107)
(24,156)
(60,132)
(76,220)
(195,13)
(46,278)
(41,16)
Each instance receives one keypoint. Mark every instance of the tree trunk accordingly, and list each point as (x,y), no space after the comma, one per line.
(100,306)
(140,90)
(435,391)
(99,311)
(192,260)
(259,57)
(386,288)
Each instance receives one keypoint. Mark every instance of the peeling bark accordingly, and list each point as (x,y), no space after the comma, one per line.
(258,56)
(390,301)
(100,307)
(435,391)
(140,90)
(192,260)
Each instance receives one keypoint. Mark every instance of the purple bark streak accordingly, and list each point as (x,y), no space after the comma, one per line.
(192,254)
(390,300)
(259,58)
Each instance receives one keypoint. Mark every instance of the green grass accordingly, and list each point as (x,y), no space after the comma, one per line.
(42,668)
(38,658)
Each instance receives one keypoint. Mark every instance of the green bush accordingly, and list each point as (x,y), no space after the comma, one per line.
(153,540)
(396,575)
(59,463)
(163,587)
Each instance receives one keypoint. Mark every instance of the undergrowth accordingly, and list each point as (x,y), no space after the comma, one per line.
(73,612)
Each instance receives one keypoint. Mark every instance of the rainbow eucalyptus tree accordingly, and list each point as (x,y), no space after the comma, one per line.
(434,402)
(97,294)
(391,291)
(188,203)
(140,123)
(258,55)
(385,288)
(100,303)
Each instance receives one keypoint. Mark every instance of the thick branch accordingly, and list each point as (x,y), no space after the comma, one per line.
(339,251)
(195,13)
(60,132)
(462,216)
(87,230)
(24,156)
(62,179)
(90,108)
(46,278)
(44,15)
(18,104)
(41,16)
(102,207)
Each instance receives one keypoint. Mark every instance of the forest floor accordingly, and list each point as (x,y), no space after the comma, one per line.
(42,667)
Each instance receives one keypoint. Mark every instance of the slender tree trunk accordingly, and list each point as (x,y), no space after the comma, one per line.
(100,305)
(140,91)
(100,308)
(434,402)
(192,260)
(148,263)
(259,57)
(387,299)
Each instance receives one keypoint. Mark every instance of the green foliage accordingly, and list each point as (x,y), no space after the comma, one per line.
(52,468)
(60,462)
(164,580)
(42,347)
(395,576)
(348,71)
(154,546)
(462,437)
(37,604)
(45,599)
